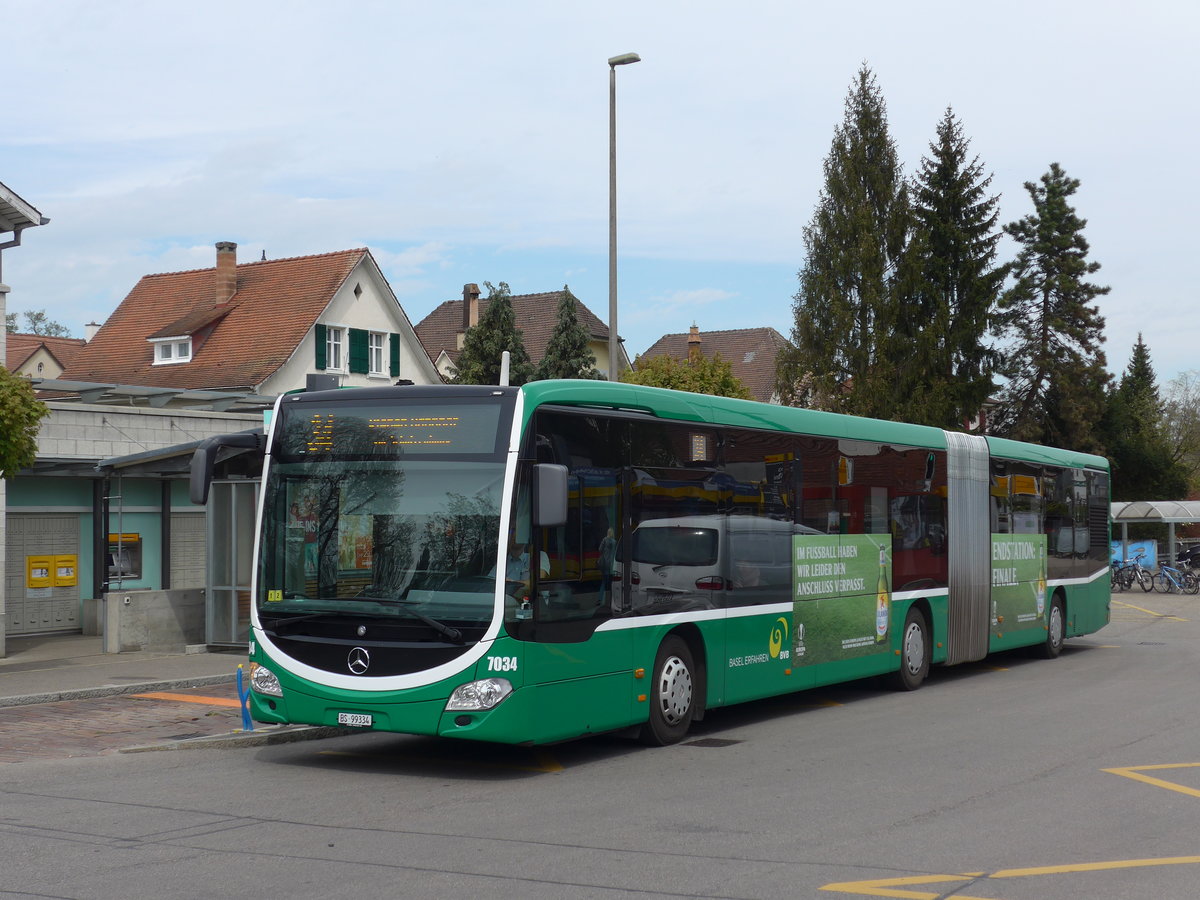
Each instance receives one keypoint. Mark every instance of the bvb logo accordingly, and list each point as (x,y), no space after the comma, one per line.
(779,633)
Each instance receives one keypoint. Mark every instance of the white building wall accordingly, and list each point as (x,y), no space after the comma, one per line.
(374,309)
(94,431)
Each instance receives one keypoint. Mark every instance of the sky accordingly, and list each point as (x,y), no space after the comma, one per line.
(468,142)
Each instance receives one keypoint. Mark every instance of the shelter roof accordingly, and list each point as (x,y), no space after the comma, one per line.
(1157,511)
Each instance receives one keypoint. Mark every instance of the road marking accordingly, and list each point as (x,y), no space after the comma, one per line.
(189,698)
(1149,612)
(884,887)
(1135,772)
(887,887)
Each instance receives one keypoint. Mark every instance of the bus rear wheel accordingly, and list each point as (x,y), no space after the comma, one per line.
(916,650)
(672,694)
(1056,630)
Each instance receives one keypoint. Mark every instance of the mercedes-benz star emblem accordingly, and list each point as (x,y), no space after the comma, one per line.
(358,661)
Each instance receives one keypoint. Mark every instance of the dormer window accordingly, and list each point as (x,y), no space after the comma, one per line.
(169,351)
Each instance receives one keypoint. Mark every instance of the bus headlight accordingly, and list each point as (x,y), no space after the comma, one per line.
(263,681)
(479,695)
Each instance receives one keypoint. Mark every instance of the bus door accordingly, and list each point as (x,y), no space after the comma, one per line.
(573,657)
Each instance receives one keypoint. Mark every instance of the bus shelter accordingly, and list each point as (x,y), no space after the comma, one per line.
(1159,512)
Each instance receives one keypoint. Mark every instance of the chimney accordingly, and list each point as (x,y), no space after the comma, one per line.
(693,342)
(226,272)
(470,306)
(89,331)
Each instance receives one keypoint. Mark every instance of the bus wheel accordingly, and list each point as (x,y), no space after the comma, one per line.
(672,694)
(915,651)
(1056,630)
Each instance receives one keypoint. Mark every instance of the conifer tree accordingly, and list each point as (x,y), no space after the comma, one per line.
(846,310)
(496,331)
(1144,466)
(952,286)
(1053,361)
(567,353)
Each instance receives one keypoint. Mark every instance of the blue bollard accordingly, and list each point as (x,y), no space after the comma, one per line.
(244,696)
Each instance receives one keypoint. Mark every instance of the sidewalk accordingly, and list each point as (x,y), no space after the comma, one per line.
(49,668)
(60,696)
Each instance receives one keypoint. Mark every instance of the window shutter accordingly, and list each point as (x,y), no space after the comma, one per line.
(360,362)
(394,354)
(320,337)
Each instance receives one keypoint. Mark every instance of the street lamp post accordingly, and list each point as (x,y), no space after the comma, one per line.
(623,60)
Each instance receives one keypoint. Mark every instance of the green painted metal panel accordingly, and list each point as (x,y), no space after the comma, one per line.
(683,406)
(1035,453)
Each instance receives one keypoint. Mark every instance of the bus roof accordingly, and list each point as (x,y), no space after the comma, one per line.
(688,407)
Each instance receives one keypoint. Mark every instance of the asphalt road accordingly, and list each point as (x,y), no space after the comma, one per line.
(1010,779)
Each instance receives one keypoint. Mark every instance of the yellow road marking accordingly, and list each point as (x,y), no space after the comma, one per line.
(190,698)
(1098,866)
(1135,772)
(888,887)
(1148,612)
(885,887)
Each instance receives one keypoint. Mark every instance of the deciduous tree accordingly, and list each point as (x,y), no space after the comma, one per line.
(21,414)
(698,374)
(36,322)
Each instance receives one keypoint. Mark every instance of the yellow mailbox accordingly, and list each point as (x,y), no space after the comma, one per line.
(39,571)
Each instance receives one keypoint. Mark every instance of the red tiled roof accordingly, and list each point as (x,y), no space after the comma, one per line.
(276,303)
(750,352)
(20,347)
(536,316)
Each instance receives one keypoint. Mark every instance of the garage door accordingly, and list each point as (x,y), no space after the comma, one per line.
(32,610)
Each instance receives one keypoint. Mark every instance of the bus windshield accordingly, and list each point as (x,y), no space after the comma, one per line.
(381,539)
(383,507)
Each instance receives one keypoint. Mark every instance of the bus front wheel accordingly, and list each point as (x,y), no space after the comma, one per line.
(916,651)
(672,694)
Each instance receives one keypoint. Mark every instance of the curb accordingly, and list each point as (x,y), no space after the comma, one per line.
(116,689)
(277,734)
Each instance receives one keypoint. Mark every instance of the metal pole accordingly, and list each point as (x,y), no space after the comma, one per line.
(623,60)
(612,223)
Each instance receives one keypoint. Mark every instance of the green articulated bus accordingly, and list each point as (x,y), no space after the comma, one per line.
(534,564)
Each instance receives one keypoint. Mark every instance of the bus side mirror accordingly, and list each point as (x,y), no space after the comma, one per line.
(205,457)
(549,495)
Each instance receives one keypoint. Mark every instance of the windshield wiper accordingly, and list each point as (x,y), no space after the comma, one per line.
(447,631)
(291,620)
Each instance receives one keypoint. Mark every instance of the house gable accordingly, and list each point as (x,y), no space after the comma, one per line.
(250,338)
(39,355)
(363,307)
(536,315)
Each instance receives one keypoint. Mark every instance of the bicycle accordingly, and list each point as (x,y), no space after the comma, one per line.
(1131,570)
(1170,580)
